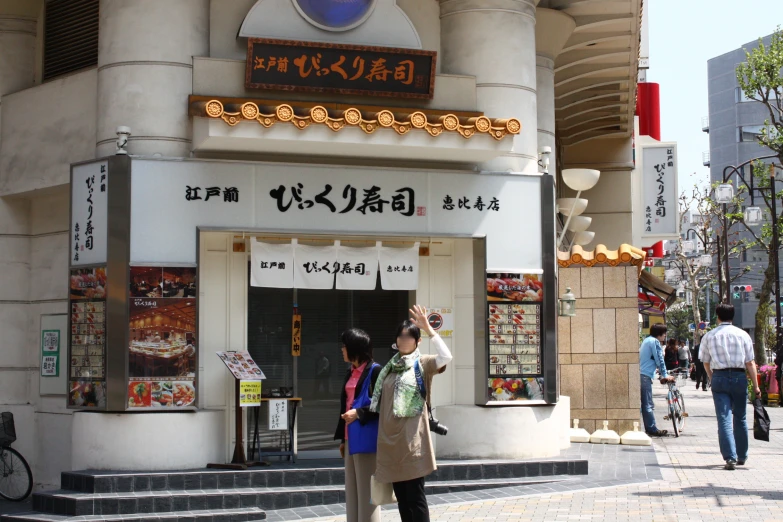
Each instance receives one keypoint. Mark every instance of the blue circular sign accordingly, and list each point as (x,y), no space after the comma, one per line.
(335,15)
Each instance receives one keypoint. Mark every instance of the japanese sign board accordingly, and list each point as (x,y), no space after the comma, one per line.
(340,68)
(278,415)
(89,211)
(329,199)
(442,321)
(242,366)
(50,353)
(249,393)
(659,191)
(296,335)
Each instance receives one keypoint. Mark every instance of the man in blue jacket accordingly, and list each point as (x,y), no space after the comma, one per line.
(650,359)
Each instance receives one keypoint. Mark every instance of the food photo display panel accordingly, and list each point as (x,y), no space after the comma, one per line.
(514,303)
(162,349)
(87,361)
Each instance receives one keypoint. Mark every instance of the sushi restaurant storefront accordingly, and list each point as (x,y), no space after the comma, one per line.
(193,257)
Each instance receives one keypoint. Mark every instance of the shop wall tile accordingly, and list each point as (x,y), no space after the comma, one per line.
(423,292)
(626,425)
(617,386)
(441,281)
(583,414)
(464,331)
(614,281)
(587,424)
(564,334)
(595,385)
(621,302)
(564,358)
(463,267)
(627,328)
(627,357)
(570,278)
(592,282)
(631,281)
(582,332)
(586,304)
(625,414)
(572,385)
(604,335)
(634,384)
(593,358)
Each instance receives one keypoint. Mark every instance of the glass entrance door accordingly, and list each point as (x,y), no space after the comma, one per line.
(320,370)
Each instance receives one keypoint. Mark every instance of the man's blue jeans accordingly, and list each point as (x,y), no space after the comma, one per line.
(730,395)
(648,410)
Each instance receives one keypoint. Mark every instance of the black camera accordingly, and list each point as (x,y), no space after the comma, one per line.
(437,427)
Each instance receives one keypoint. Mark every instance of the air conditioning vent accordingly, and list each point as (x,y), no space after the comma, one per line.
(70,37)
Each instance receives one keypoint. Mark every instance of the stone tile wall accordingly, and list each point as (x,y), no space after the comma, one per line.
(599,348)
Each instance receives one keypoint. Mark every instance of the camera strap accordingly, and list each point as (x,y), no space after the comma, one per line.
(422,387)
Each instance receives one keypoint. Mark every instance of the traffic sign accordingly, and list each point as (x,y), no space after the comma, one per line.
(691,327)
(702,325)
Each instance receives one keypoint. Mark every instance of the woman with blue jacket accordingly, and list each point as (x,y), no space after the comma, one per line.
(358,426)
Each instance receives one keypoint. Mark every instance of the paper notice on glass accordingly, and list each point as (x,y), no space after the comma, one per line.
(399,268)
(315,266)
(357,268)
(249,393)
(278,415)
(272,266)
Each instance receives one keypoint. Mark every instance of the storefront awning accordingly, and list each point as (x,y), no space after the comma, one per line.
(656,294)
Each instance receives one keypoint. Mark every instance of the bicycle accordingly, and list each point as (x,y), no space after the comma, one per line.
(16,479)
(676,403)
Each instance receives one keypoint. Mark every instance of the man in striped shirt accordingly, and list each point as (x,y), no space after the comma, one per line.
(727,353)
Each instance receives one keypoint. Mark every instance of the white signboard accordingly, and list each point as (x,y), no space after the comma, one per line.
(167,208)
(89,211)
(357,268)
(399,268)
(278,415)
(314,266)
(659,191)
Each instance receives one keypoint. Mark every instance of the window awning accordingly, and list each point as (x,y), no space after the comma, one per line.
(656,294)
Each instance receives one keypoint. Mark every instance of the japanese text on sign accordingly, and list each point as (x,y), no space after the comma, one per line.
(402,200)
(296,335)
(659,170)
(249,393)
(230,194)
(348,69)
(465,203)
(278,415)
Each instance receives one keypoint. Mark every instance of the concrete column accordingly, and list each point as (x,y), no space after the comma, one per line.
(17,53)
(553,29)
(495,42)
(145,72)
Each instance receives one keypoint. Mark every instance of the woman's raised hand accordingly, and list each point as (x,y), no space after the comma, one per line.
(419,316)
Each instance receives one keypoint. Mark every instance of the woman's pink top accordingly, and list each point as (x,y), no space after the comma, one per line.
(350,390)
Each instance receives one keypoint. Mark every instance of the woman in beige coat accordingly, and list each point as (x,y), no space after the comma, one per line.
(405,454)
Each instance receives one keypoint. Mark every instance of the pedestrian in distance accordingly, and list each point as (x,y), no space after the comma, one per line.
(672,355)
(684,356)
(405,453)
(357,427)
(650,360)
(701,373)
(727,354)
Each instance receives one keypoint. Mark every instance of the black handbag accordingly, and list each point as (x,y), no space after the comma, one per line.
(760,421)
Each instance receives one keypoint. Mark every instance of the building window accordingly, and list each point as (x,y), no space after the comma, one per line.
(752,133)
(742,98)
(335,15)
(70,37)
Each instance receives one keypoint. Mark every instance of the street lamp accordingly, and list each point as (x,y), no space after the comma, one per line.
(687,247)
(724,193)
(753,216)
(568,304)
(705,260)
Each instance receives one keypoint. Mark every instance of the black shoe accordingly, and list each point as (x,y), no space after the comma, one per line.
(659,433)
(730,465)
(740,463)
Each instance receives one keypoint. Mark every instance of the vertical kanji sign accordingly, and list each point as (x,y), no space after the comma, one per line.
(89,213)
(296,335)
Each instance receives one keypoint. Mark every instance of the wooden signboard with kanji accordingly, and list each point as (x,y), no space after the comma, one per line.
(346,69)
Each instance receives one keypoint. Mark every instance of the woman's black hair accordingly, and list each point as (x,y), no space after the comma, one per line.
(358,345)
(408,327)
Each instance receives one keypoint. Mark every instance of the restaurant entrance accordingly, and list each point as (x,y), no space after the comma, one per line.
(319,372)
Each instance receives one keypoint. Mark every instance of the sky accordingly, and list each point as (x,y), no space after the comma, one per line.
(684,34)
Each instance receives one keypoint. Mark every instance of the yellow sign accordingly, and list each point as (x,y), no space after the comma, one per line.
(296,336)
(249,393)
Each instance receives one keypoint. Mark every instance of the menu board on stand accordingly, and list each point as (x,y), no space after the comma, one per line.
(248,377)
(515,336)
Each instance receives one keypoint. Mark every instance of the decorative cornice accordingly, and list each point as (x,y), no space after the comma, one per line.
(401,120)
(625,255)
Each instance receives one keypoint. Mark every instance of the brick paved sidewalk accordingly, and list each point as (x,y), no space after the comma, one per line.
(693,486)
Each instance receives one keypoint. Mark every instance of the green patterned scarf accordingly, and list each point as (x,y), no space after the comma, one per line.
(408,401)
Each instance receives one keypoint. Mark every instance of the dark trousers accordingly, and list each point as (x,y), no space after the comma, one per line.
(411,500)
(701,375)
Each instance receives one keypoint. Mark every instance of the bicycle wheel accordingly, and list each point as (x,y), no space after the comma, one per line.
(680,406)
(673,413)
(16,479)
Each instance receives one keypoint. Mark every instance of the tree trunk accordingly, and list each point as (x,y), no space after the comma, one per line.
(696,311)
(762,314)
